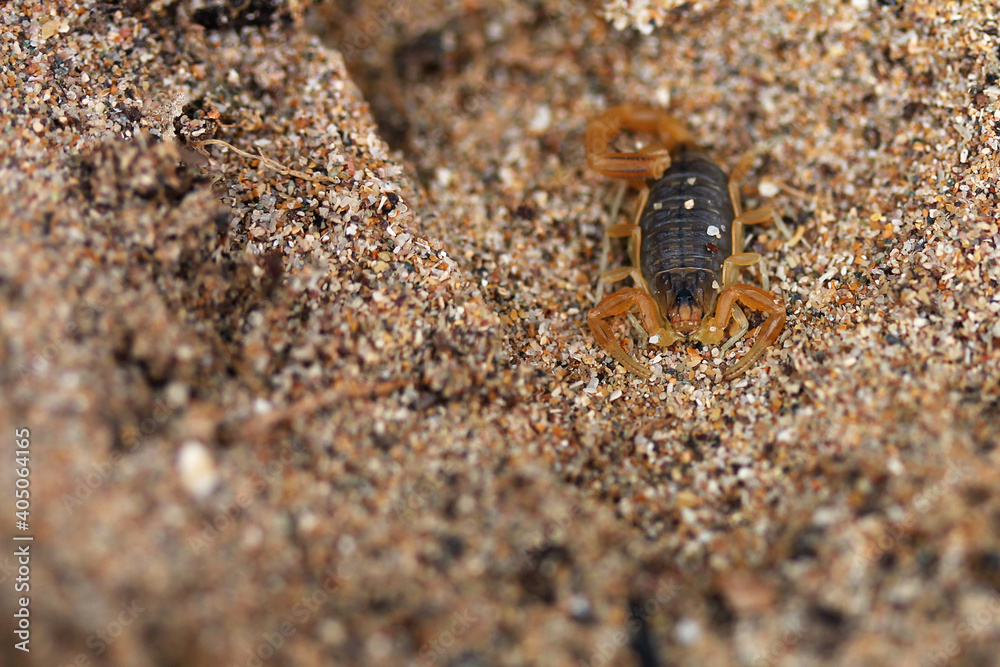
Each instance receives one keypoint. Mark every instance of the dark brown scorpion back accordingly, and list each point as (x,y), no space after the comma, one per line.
(686,237)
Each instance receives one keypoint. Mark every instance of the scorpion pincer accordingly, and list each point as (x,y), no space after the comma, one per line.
(686,242)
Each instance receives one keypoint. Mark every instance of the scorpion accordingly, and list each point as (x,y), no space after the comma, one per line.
(686,242)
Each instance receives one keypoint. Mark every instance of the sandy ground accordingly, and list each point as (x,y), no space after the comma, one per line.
(293,300)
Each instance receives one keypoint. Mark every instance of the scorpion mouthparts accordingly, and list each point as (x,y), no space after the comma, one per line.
(686,318)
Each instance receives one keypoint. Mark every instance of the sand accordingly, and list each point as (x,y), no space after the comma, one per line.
(293,302)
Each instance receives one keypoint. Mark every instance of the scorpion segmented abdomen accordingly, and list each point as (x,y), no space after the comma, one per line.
(687,229)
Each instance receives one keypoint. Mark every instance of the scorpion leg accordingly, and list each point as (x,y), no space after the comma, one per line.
(621,230)
(737,175)
(741,169)
(755,217)
(640,206)
(758,216)
(744,326)
(732,264)
(621,302)
(606,239)
(621,273)
(756,299)
(765,281)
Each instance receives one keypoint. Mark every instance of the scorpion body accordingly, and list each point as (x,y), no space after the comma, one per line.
(685,237)
(687,242)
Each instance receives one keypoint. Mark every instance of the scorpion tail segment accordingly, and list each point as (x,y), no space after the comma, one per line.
(646,164)
(638,118)
(619,303)
(639,166)
(759,300)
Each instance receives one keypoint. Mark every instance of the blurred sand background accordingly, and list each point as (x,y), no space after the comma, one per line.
(338,405)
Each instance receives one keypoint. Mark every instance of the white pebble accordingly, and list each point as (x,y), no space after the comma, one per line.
(689,204)
(331,632)
(541,120)
(579,607)
(895,466)
(197,469)
(443,176)
(687,631)
(767,189)
(714,231)
(494,31)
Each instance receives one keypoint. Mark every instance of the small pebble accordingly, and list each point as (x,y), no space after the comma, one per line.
(767,189)
(687,631)
(197,469)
